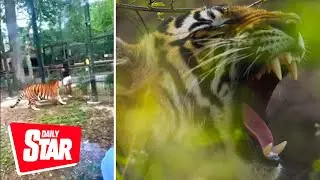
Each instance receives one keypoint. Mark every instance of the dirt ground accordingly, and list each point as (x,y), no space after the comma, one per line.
(96,122)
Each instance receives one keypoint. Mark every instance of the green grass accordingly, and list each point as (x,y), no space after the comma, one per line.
(6,156)
(73,116)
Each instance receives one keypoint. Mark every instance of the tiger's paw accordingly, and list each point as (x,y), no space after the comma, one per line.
(33,107)
(59,99)
(62,102)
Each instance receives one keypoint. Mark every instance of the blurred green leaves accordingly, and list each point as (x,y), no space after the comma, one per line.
(309,28)
(176,150)
(316,166)
(102,16)
(160,16)
(158,4)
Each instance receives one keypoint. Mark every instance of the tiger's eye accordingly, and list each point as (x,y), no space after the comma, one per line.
(225,10)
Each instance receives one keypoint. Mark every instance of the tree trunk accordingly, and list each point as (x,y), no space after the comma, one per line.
(1,43)
(4,62)
(36,38)
(28,60)
(28,50)
(14,41)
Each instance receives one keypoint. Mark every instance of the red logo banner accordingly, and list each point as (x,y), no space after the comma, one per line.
(41,147)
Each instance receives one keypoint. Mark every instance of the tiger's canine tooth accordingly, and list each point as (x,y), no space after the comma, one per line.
(267,149)
(288,58)
(268,67)
(276,68)
(279,148)
(293,70)
(258,76)
(301,42)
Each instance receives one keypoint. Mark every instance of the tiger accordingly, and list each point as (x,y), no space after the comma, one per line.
(41,91)
(191,96)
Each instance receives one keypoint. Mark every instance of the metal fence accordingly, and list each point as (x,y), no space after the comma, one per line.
(103,70)
(79,72)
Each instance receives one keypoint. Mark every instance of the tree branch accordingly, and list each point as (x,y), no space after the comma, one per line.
(171,4)
(257,2)
(152,9)
(150,2)
(145,26)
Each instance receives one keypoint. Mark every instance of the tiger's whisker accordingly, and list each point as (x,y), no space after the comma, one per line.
(214,58)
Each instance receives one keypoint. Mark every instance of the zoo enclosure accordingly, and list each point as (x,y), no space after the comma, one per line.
(56,54)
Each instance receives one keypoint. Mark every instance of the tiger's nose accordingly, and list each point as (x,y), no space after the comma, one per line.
(292,18)
(289,24)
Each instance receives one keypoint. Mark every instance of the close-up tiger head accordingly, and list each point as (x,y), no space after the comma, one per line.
(212,59)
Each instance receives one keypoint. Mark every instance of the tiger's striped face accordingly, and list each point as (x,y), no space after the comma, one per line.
(217,56)
(60,83)
(235,48)
(256,39)
(56,83)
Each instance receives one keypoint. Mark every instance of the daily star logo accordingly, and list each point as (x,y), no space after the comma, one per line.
(46,144)
(41,147)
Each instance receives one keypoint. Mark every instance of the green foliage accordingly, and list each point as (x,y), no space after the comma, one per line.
(50,10)
(47,10)
(316,166)
(309,28)
(49,36)
(66,21)
(101,20)
(158,4)
(118,175)
(6,159)
(102,16)
(75,27)
(175,152)
(160,16)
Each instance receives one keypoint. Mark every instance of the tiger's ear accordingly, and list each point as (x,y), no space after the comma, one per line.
(125,66)
(56,79)
(124,52)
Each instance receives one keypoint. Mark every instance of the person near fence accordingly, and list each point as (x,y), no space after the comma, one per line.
(67,80)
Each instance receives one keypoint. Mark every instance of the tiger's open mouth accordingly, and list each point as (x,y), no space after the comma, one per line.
(261,82)
(261,86)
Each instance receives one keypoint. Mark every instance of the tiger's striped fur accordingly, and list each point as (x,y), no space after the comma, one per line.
(190,74)
(36,92)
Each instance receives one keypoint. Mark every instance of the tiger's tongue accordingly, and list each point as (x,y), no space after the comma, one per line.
(257,127)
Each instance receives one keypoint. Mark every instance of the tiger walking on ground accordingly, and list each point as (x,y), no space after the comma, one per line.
(40,91)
